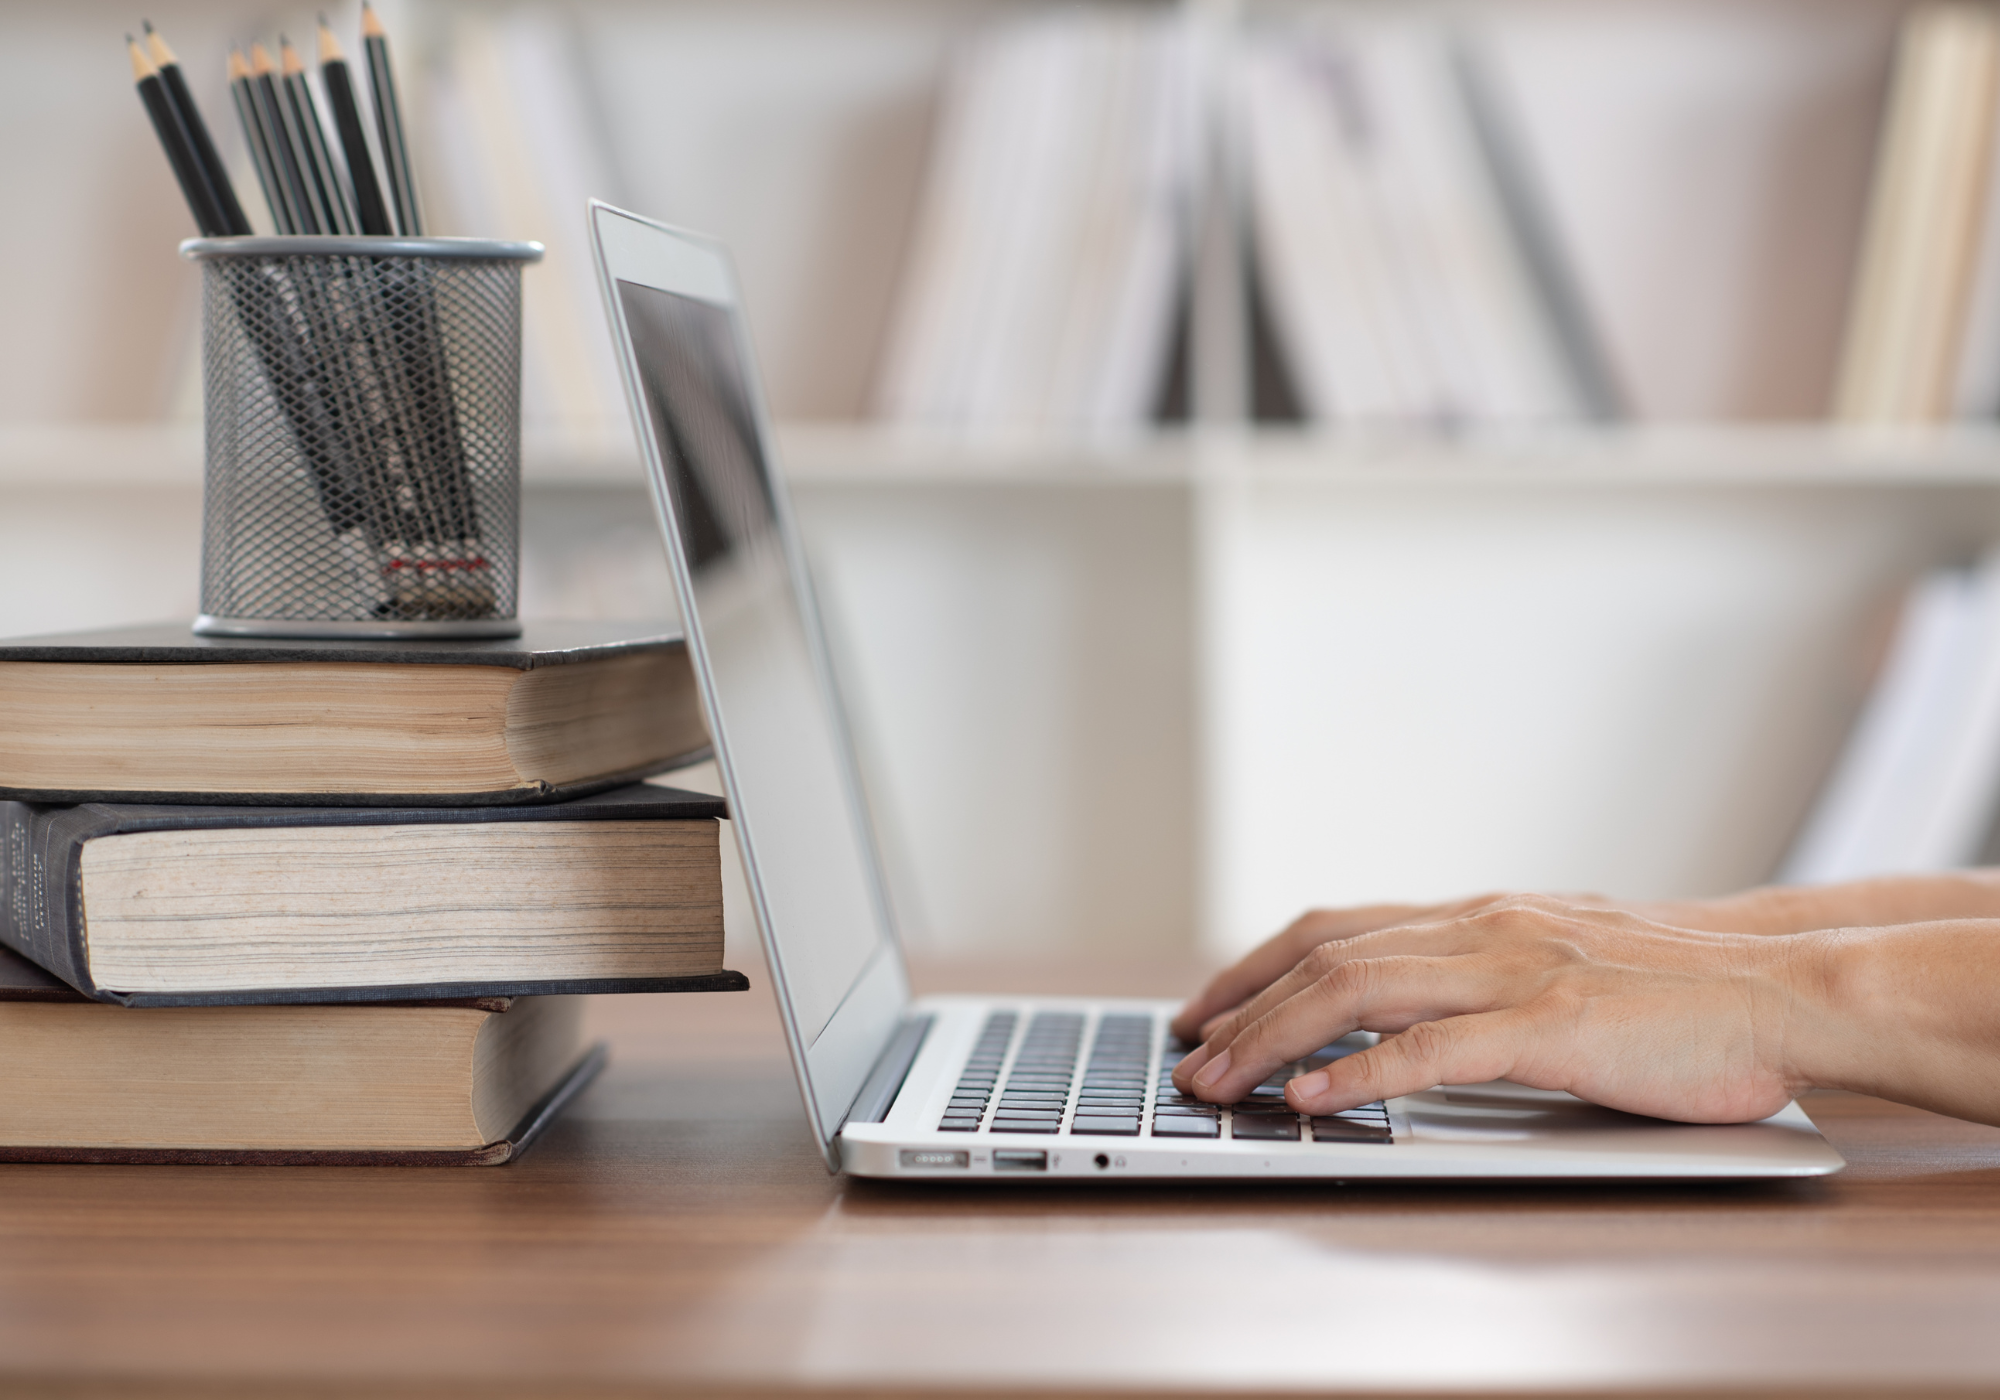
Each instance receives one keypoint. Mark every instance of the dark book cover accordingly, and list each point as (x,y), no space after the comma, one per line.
(172,643)
(541,644)
(41,886)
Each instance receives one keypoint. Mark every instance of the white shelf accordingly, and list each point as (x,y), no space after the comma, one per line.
(170,455)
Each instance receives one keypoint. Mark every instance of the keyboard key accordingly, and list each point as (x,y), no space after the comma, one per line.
(1025,1125)
(1185,1110)
(1186,1126)
(1346,1130)
(1095,1126)
(1265,1127)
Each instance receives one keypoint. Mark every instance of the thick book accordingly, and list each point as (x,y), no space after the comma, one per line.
(157,714)
(446,1083)
(207,906)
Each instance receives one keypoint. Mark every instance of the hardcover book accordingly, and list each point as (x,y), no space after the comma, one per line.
(157,714)
(447,1083)
(203,906)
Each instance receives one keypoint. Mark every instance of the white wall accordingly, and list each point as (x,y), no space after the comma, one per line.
(1423,691)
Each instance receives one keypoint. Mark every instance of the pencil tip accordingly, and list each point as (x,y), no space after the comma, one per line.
(156,46)
(147,25)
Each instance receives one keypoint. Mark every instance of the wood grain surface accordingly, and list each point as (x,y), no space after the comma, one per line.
(678,1235)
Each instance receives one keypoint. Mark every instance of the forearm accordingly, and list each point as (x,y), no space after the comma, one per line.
(1883,901)
(1909,1013)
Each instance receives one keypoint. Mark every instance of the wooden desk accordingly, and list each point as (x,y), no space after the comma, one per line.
(678,1235)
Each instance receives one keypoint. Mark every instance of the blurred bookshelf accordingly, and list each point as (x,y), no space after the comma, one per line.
(1161,683)
(821,456)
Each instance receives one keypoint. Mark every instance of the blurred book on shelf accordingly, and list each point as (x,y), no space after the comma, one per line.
(1407,268)
(1917,786)
(519,147)
(1922,343)
(1049,266)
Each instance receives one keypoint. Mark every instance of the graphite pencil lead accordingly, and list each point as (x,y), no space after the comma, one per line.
(156,47)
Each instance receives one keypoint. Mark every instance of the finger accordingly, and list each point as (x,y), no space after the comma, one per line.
(1279,954)
(1429,940)
(1387,994)
(1467,1049)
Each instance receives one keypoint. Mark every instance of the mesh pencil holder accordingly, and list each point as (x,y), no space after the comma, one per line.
(363,405)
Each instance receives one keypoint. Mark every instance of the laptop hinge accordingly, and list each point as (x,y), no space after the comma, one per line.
(885,1081)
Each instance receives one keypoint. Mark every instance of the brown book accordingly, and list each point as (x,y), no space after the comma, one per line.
(157,714)
(156,905)
(427,1083)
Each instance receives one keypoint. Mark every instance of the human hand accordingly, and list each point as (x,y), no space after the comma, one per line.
(1598,1001)
(1278,955)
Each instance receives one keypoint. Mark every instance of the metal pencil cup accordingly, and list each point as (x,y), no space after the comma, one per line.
(363,401)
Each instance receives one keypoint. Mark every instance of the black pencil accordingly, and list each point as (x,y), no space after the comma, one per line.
(271,108)
(174,140)
(389,125)
(255,137)
(370,212)
(322,176)
(214,174)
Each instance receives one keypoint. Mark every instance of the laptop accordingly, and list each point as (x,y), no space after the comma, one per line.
(978,1088)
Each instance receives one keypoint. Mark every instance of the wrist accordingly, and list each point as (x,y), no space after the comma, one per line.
(1831,995)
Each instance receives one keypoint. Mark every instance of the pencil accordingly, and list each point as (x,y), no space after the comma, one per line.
(256,139)
(272,111)
(322,176)
(174,140)
(389,125)
(214,174)
(370,212)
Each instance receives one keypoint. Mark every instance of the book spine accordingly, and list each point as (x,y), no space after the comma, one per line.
(39,918)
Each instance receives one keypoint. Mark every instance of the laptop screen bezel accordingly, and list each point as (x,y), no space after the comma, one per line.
(832,1066)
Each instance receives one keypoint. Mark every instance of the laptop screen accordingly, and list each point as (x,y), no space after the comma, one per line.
(779,727)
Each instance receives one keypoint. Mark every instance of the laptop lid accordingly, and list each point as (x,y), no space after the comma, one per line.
(760,659)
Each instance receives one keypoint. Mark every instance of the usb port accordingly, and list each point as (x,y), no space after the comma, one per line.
(1019,1159)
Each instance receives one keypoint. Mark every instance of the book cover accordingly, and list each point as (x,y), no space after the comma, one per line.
(43,915)
(22,981)
(157,714)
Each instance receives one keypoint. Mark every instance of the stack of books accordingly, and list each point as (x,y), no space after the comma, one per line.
(282,901)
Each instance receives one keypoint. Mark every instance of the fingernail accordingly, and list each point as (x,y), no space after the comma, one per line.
(1309,1086)
(1212,1071)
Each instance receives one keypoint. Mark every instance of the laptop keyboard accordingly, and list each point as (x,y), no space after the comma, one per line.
(1041,1091)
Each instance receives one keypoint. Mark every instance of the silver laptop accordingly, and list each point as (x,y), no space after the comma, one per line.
(965,1088)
